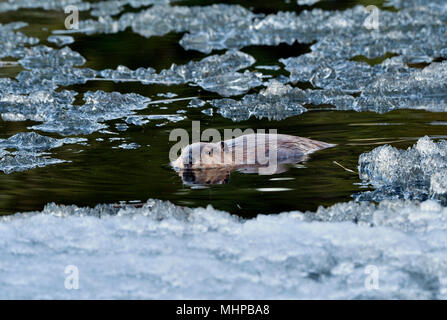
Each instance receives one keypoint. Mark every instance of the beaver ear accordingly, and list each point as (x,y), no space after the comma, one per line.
(223,146)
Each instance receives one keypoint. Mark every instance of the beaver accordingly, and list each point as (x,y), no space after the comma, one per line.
(205,176)
(246,153)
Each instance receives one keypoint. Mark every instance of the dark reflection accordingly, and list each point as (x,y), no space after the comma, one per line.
(222,175)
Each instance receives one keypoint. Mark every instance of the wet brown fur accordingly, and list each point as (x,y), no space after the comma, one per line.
(246,150)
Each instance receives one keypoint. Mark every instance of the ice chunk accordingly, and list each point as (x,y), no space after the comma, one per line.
(349,76)
(279,101)
(107,8)
(382,87)
(416,173)
(196,103)
(32,141)
(12,43)
(139,120)
(418,89)
(265,67)
(69,123)
(435,4)
(30,146)
(415,32)
(438,183)
(37,106)
(167,95)
(45,57)
(307,2)
(121,126)
(12,5)
(58,114)
(61,41)
(99,8)
(129,146)
(111,105)
(23,160)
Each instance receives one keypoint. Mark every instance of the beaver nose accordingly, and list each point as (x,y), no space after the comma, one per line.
(187,161)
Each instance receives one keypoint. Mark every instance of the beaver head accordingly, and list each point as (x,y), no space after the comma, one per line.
(205,176)
(201,155)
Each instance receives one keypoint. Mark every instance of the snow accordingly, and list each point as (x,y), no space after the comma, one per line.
(164,251)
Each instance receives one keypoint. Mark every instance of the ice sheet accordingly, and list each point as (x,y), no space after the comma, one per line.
(164,251)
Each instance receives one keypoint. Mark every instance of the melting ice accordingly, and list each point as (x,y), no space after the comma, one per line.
(164,251)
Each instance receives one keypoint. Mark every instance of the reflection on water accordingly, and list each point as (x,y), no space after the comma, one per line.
(222,175)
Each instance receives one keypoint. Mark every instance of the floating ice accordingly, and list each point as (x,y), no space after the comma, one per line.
(140,120)
(32,141)
(381,88)
(121,126)
(129,146)
(30,146)
(416,32)
(12,5)
(276,102)
(12,43)
(112,105)
(279,101)
(273,67)
(137,120)
(217,73)
(23,160)
(208,112)
(307,2)
(61,41)
(100,8)
(58,114)
(114,7)
(196,103)
(418,89)
(416,173)
(167,95)
(46,57)
(164,251)
(435,4)
(389,85)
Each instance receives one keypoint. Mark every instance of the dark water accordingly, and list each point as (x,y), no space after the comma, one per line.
(99,173)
